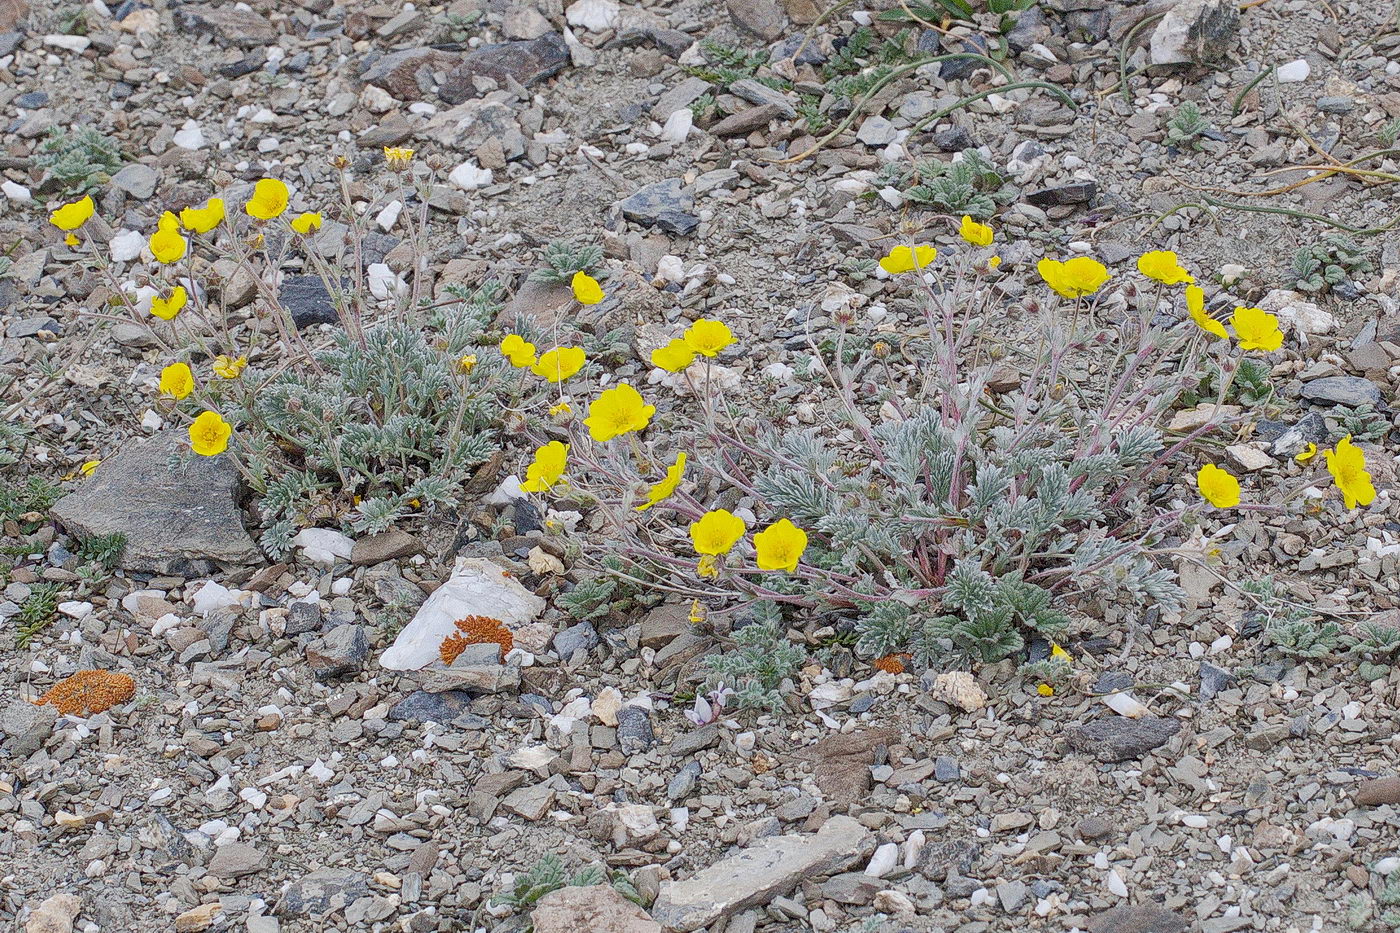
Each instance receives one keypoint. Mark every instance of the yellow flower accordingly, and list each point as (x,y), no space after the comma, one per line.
(780,546)
(708,337)
(228,367)
(1196,307)
(209,434)
(518,350)
(707,566)
(74,214)
(1045,690)
(664,489)
(1257,329)
(1218,487)
(617,411)
(559,364)
(560,410)
(673,357)
(90,467)
(994,263)
(1347,464)
(697,612)
(167,245)
(587,291)
(903,259)
(716,532)
(176,380)
(1307,453)
(71,240)
(548,467)
(167,308)
(1073,278)
(306,222)
(467,363)
(1161,265)
(269,199)
(975,233)
(203,219)
(1059,654)
(397,156)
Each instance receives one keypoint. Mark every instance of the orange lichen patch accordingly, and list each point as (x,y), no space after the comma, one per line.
(89,692)
(890,664)
(475,630)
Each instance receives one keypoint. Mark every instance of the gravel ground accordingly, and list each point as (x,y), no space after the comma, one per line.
(269,774)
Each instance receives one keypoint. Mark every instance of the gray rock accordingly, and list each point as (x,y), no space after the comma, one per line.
(954,139)
(526,63)
(1200,31)
(321,892)
(1142,918)
(218,629)
(806,50)
(946,769)
(388,545)
(1342,390)
(227,23)
(595,908)
(474,678)
(137,180)
(580,637)
(665,204)
(761,94)
(877,131)
(852,887)
(689,743)
(179,521)
(303,617)
(662,625)
(1122,739)
(408,74)
(1377,792)
(422,706)
(683,783)
(26,727)
(1079,192)
(308,300)
(747,121)
(531,803)
(1012,895)
(634,731)
(1215,680)
(340,651)
(753,876)
(33,327)
(1093,827)
(237,859)
(762,18)
(679,97)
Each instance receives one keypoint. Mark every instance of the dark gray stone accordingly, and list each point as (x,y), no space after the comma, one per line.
(421,706)
(683,783)
(320,892)
(32,101)
(1123,739)
(1141,918)
(303,617)
(762,18)
(1342,390)
(634,732)
(526,62)
(308,300)
(179,521)
(227,23)
(946,769)
(580,637)
(1079,192)
(688,743)
(806,50)
(665,204)
(26,727)
(1215,680)
(340,651)
(954,139)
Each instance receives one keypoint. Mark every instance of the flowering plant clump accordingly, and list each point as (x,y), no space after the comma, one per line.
(385,417)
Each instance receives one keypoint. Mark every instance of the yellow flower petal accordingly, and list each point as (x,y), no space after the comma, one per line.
(674,357)
(716,532)
(203,219)
(1196,307)
(167,308)
(975,233)
(780,546)
(176,380)
(617,411)
(209,434)
(1256,329)
(269,200)
(1161,265)
(667,487)
(306,222)
(1307,453)
(74,214)
(903,259)
(548,467)
(708,337)
(559,364)
(1347,464)
(1218,486)
(586,289)
(1073,278)
(518,350)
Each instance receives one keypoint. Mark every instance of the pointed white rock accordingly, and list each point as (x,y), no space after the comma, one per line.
(593,15)
(477,587)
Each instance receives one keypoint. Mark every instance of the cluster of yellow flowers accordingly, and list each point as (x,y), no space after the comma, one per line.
(713,535)
(1346,462)
(902,259)
(705,337)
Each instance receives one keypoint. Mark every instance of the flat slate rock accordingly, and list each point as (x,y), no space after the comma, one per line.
(526,62)
(1122,739)
(181,520)
(1147,918)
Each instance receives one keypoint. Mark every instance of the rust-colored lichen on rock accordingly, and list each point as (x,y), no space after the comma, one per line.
(89,692)
(890,664)
(475,630)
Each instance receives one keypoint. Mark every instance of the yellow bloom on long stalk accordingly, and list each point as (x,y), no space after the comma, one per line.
(617,411)
(559,364)
(1257,329)
(708,337)
(1196,307)
(228,367)
(780,546)
(1161,265)
(548,467)
(203,219)
(167,245)
(269,200)
(397,156)
(1073,278)
(667,487)
(74,214)
(519,351)
(903,259)
(306,221)
(209,434)
(176,380)
(716,532)
(1347,464)
(167,308)
(975,233)
(674,357)
(586,289)
(1218,486)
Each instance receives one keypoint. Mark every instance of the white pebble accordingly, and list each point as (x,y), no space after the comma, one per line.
(1195,821)
(469,176)
(389,216)
(1116,887)
(678,126)
(883,861)
(1294,71)
(15,191)
(126,245)
(189,136)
